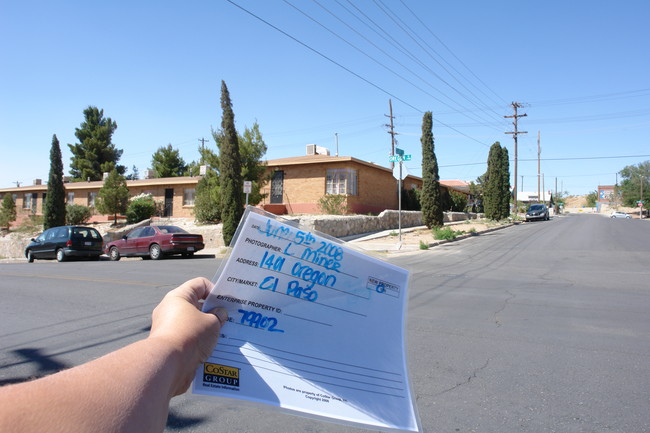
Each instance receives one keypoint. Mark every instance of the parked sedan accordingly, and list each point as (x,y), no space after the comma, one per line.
(65,241)
(619,214)
(154,242)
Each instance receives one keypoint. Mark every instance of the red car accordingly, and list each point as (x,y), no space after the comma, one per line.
(153,242)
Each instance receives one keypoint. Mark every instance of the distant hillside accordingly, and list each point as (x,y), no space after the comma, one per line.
(575,201)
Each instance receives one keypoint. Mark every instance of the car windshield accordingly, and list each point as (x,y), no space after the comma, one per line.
(536,207)
(170,229)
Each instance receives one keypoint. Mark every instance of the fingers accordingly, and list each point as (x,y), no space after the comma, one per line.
(193,290)
(221,314)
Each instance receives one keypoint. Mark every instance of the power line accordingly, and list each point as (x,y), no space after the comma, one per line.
(381,64)
(456,57)
(405,28)
(349,70)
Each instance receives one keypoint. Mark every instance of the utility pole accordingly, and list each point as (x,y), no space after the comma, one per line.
(391,132)
(336,136)
(202,140)
(539,153)
(514,133)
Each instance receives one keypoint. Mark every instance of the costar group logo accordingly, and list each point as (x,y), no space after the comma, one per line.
(221,374)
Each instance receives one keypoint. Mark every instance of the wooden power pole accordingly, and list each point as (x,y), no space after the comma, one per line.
(514,133)
(391,132)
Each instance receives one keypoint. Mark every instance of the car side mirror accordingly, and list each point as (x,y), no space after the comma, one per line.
(124,237)
(34,240)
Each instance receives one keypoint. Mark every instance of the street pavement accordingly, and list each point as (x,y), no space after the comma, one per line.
(539,327)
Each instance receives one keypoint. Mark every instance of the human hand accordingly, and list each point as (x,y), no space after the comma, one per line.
(179,322)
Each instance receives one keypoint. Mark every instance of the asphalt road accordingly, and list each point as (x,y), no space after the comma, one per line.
(542,327)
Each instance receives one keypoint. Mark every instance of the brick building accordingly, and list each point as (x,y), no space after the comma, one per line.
(297,184)
(177,194)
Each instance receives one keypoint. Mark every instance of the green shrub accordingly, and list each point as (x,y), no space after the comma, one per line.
(424,245)
(445,233)
(76,214)
(141,207)
(333,204)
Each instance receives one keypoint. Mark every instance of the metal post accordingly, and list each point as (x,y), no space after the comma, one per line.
(399,199)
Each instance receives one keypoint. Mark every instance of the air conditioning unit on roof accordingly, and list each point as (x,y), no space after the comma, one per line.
(311,149)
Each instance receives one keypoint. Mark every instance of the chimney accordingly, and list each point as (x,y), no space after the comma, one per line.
(38,181)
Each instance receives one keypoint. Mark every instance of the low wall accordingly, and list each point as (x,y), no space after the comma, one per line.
(347,225)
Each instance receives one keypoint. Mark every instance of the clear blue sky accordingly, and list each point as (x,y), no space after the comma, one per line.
(580,68)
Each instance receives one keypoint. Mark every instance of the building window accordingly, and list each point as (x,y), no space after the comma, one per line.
(91,199)
(70,198)
(188,196)
(27,201)
(341,181)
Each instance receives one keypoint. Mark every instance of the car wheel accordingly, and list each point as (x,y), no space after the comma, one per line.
(60,255)
(114,254)
(30,256)
(154,252)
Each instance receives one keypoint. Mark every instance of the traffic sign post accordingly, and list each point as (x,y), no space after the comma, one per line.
(248,188)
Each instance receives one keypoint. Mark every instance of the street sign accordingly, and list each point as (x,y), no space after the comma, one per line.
(248,187)
(398,158)
(399,151)
(639,203)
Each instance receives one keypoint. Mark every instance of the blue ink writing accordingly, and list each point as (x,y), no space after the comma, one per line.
(259,321)
(319,259)
(294,289)
(270,261)
(269,283)
(307,273)
(275,231)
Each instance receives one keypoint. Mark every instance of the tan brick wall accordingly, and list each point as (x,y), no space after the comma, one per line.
(305,184)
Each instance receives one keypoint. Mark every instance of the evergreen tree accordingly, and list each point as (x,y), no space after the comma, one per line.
(7,211)
(505,183)
(135,174)
(95,153)
(493,193)
(167,162)
(430,199)
(230,180)
(207,203)
(54,212)
(113,197)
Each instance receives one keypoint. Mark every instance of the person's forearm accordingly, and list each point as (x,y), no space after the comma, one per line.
(127,390)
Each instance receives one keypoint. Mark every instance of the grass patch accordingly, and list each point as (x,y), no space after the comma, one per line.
(33,224)
(424,245)
(392,234)
(446,233)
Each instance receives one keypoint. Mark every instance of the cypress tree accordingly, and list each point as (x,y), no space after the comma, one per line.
(505,183)
(430,200)
(493,194)
(54,212)
(231,183)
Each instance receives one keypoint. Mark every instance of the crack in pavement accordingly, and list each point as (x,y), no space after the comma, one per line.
(469,379)
(503,307)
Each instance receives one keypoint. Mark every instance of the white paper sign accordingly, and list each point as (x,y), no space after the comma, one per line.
(314,327)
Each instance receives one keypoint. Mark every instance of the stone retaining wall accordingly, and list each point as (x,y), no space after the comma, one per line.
(347,225)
